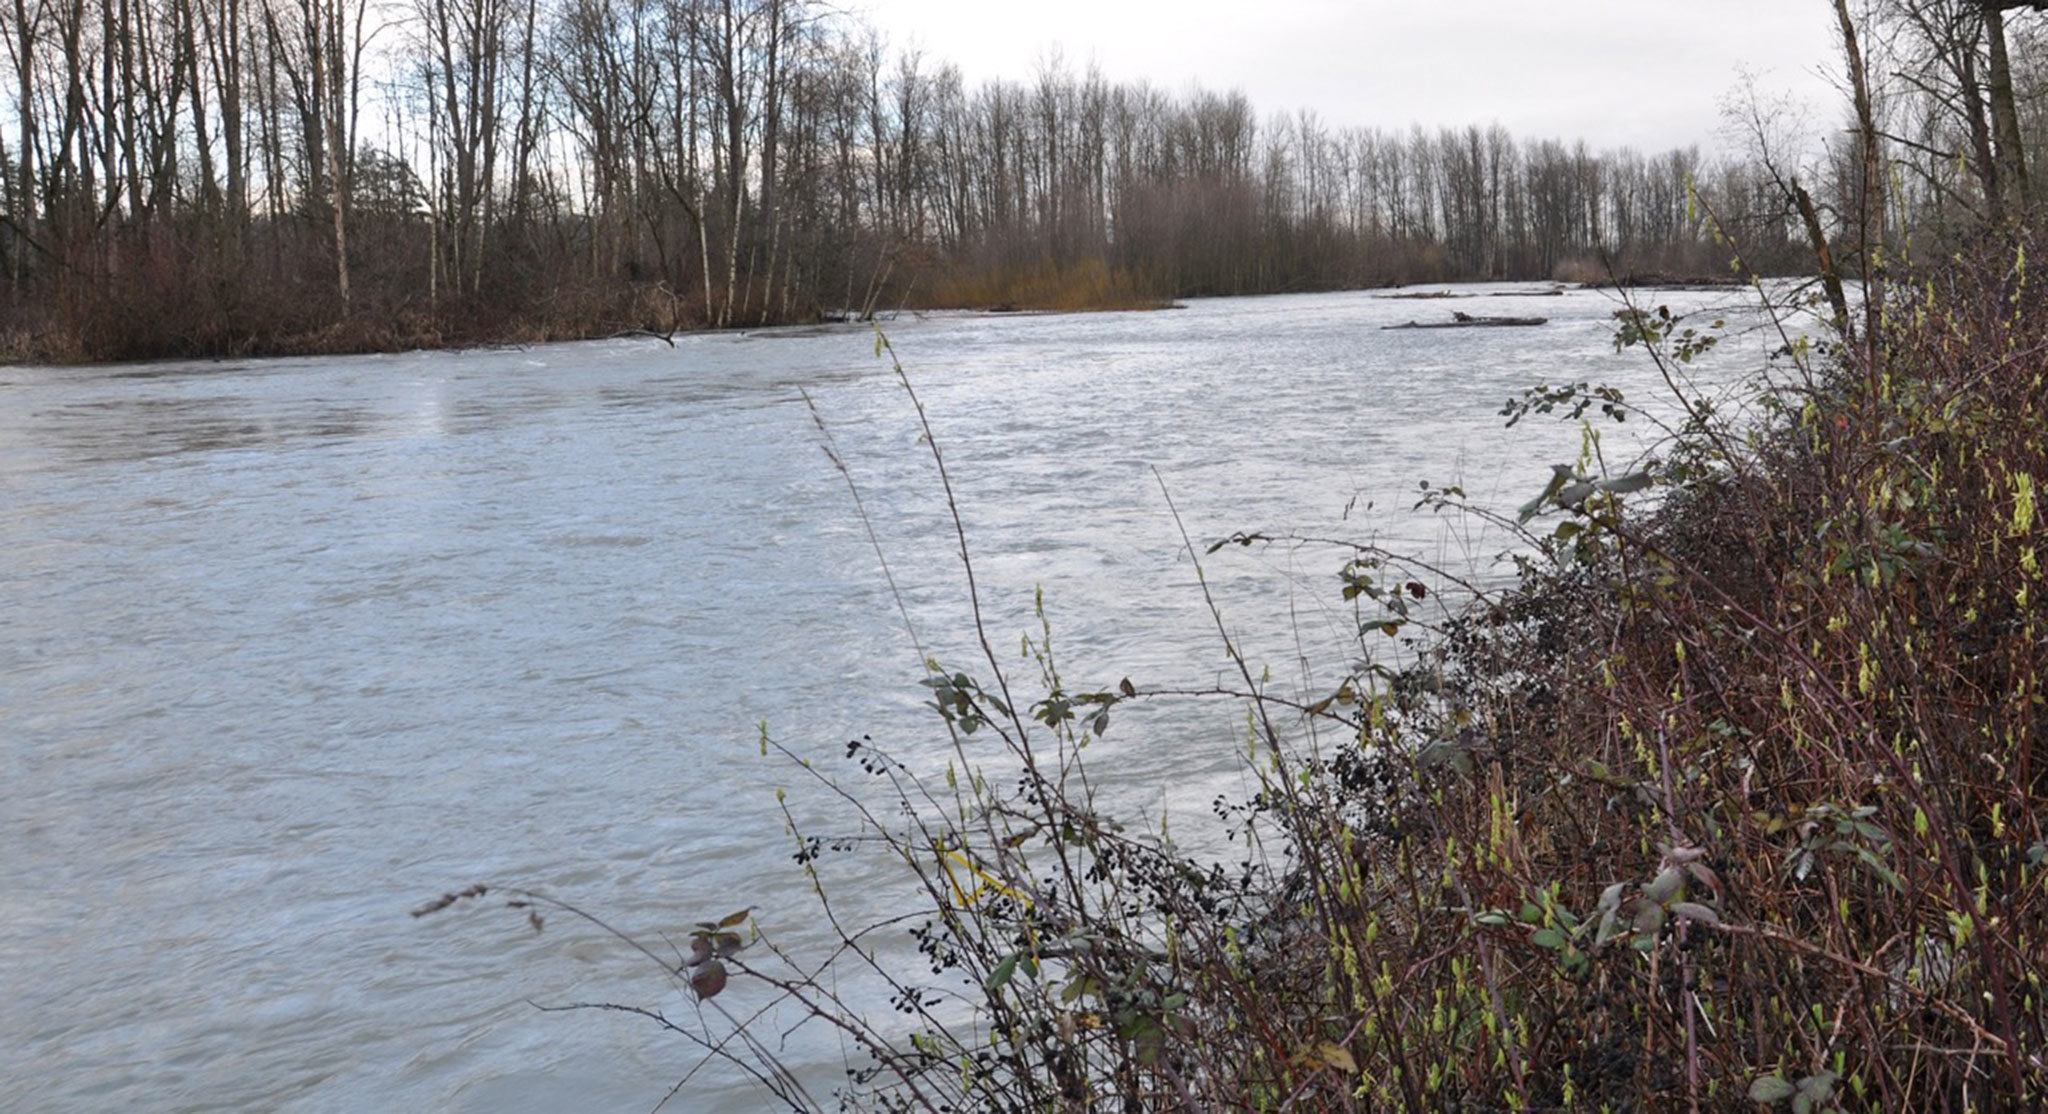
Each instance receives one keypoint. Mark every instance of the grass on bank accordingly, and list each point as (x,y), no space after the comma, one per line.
(1085,284)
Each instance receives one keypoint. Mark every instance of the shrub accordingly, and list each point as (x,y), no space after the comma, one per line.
(1087,284)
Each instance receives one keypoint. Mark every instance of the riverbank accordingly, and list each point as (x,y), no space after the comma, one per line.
(363,338)
(299,319)
(1736,797)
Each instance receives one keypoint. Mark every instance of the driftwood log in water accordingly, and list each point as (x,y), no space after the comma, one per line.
(1658,280)
(668,338)
(1441,295)
(1467,321)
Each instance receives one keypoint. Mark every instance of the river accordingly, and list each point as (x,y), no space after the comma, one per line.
(289,646)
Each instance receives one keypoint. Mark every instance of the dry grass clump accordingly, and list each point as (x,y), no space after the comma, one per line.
(1086,284)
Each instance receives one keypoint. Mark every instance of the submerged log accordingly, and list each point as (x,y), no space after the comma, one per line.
(1468,321)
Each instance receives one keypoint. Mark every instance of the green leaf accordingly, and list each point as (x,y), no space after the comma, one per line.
(1694,911)
(1548,938)
(735,918)
(1336,1056)
(1669,883)
(1608,929)
(1771,1089)
(1559,476)
(1818,1086)
(1573,496)
(1149,1046)
(1878,868)
(1000,977)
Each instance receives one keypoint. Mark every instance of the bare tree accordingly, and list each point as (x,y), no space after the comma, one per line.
(2005,116)
(1870,196)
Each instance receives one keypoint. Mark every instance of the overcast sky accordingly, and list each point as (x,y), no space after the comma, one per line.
(1651,73)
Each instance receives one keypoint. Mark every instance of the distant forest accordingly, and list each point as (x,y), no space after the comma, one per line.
(220,176)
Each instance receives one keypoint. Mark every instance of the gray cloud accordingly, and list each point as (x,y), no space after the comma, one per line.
(1650,73)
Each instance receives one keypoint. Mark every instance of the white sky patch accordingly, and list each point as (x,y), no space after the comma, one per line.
(1647,73)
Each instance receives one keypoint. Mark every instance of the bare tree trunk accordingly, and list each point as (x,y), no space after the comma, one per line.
(24,207)
(734,100)
(2005,115)
(1983,153)
(202,141)
(127,121)
(768,282)
(489,111)
(1824,256)
(229,79)
(1871,199)
(528,127)
(702,211)
(325,28)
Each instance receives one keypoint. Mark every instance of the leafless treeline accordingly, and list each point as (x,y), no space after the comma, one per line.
(1959,88)
(202,175)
